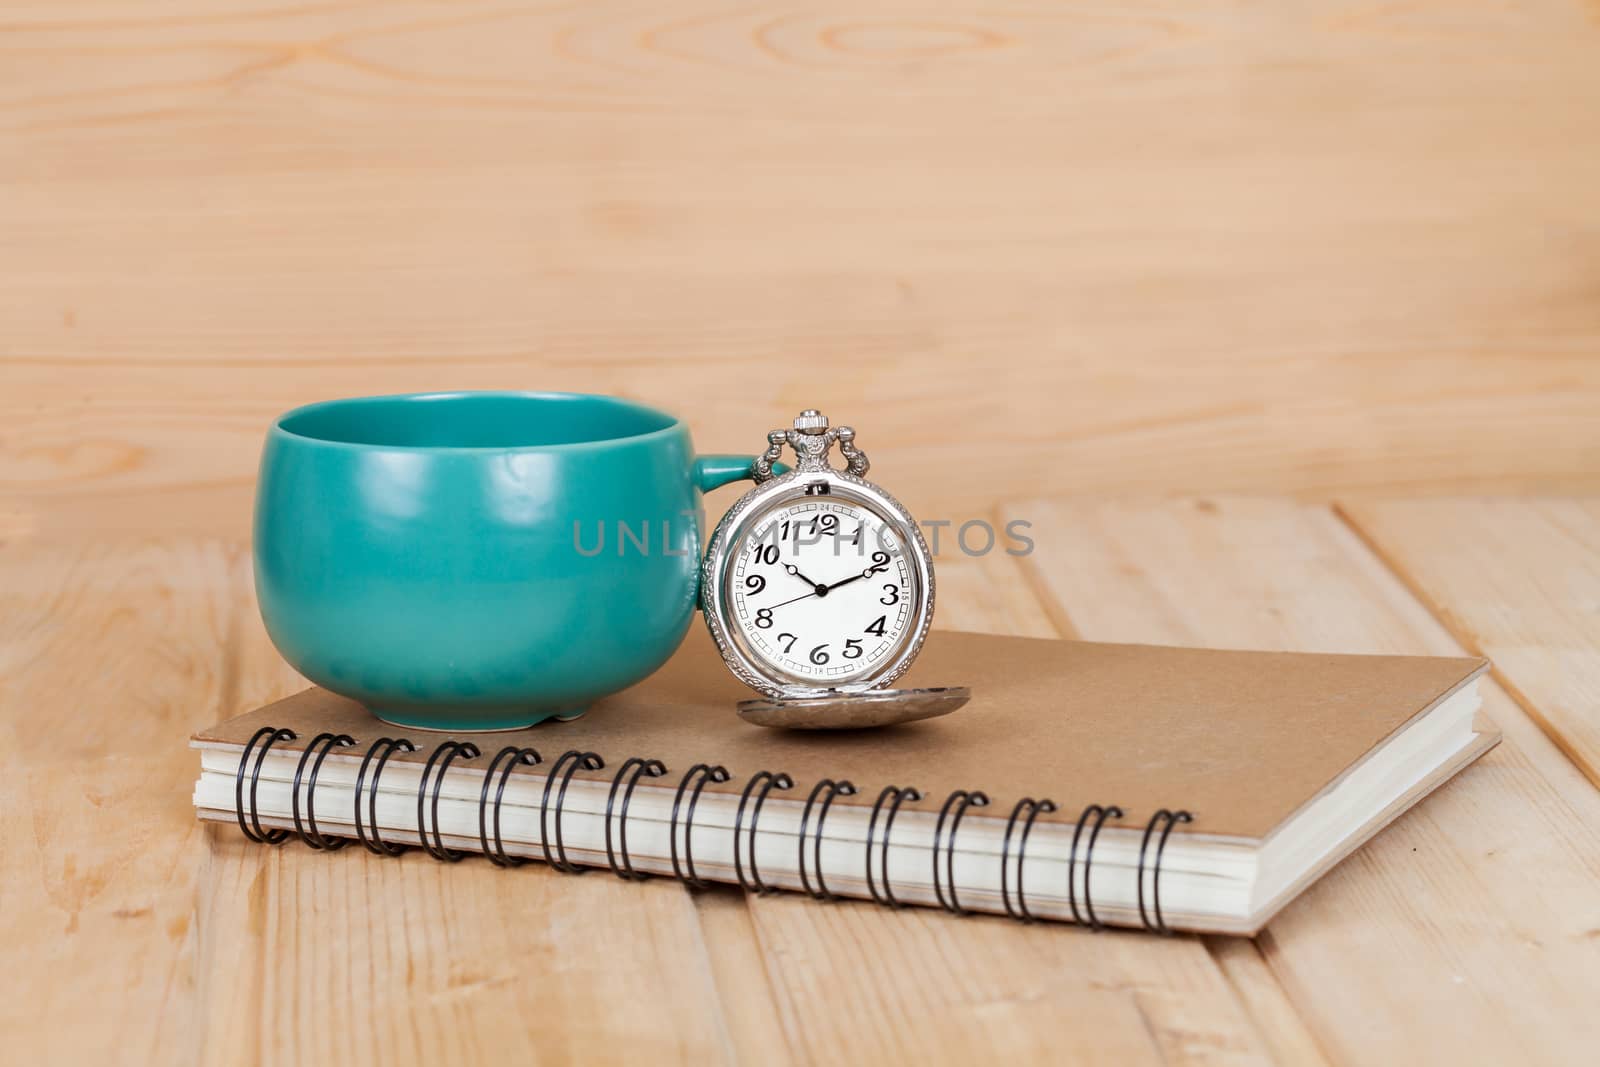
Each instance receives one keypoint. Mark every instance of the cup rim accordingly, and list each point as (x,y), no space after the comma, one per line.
(674,423)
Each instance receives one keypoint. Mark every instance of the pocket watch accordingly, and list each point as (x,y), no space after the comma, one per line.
(818,590)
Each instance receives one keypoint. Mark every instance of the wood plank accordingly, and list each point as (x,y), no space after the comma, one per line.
(109,656)
(1537,620)
(986,592)
(1465,931)
(439,962)
(856,983)
(1264,997)
(234,206)
(750,1007)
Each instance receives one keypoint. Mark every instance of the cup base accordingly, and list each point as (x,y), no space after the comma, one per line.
(468,723)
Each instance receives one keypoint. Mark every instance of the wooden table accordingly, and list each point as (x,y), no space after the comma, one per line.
(1467,932)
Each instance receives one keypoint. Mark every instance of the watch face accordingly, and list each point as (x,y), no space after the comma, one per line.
(821,590)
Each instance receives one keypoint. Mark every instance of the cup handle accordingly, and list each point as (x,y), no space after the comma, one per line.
(713,472)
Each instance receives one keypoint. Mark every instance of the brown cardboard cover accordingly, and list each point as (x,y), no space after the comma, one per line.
(1242,739)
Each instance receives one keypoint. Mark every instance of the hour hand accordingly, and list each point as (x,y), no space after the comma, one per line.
(796,572)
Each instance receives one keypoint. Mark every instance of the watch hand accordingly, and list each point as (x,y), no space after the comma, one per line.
(802,596)
(869,572)
(796,572)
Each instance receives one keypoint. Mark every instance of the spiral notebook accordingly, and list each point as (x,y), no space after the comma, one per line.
(1164,788)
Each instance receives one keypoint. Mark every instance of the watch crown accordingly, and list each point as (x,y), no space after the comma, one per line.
(811,421)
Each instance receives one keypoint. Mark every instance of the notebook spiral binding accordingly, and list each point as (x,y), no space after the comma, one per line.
(1034,808)
(961,800)
(319,746)
(497,854)
(700,774)
(443,756)
(834,789)
(388,746)
(1168,820)
(574,761)
(267,736)
(641,768)
(1100,814)
(767,782)
(499,771)
(900,796)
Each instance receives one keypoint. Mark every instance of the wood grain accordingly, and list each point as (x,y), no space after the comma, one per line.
(1026,248)
(1517,581)
(105,652)
(1263,996)
(1466,931)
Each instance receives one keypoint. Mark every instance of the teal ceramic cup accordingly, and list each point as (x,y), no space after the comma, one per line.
(480,561)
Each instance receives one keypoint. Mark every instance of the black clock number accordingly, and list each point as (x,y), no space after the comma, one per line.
(764,618)
(788,646)
(754,584)
(852,649)
(765,553)
(830,524)
(819,655)
(877,626)
(880,563)
(892,595)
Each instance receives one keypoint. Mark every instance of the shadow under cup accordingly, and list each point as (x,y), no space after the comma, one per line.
(480,561)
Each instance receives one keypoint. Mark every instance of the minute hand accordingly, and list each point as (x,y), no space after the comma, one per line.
(852,578)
